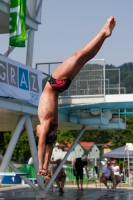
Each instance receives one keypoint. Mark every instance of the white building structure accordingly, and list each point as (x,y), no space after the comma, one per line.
(94,152)
(81,148)
(60,150)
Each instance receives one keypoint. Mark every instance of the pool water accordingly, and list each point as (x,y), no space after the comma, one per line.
(118,196)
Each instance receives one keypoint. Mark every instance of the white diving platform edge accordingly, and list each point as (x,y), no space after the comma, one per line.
(13,174)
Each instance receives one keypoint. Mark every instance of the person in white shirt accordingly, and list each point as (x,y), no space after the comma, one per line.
(108,174)
(116,172)
(30,161)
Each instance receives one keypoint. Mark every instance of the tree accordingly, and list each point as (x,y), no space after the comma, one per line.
(22,149)
(96,136)
(66,136)
(121,137)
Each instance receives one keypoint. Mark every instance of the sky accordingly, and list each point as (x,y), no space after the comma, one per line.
(67,25)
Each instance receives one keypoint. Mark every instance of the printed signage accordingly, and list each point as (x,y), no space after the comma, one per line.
(19,81)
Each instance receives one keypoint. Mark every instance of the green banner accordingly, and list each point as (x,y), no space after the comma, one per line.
(28,169)
(17,28)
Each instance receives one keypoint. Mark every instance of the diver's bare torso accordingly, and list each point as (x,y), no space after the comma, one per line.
(48,105)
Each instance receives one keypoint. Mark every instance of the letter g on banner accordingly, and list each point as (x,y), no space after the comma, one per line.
(3,72)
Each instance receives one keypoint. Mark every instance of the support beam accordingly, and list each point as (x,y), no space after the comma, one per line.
(111,125)
(12,144)
(65,158)
(30,47)
(18,106)
(33,5)
(30,42)
(39,6)
(33,149)
(89,121)
(122,113)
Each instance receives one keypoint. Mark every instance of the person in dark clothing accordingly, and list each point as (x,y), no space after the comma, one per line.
(78,166)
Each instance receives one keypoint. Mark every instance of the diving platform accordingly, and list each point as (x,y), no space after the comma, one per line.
(13,174)
(70,116)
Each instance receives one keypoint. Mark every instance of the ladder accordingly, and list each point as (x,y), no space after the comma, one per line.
(128,158)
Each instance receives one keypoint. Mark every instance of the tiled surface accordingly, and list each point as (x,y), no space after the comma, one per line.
(91,193)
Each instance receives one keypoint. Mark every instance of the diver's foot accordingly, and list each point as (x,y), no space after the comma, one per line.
(108,27)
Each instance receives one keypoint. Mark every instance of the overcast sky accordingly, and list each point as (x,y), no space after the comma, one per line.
(67,25)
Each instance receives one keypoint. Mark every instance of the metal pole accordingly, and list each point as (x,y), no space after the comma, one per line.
(119,77)
(30,42)
(125,115)
(30,46)
(65,158)
(49,69)
(128,167)
(104,79)
(95,161)
(108,86)
(119,82)
(33,5)
(33,149)
(119,114)
(12,144)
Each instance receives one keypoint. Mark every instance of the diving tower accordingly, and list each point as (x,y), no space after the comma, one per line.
(15,110)
(87,104)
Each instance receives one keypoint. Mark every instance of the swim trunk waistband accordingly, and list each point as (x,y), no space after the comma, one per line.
(59,84)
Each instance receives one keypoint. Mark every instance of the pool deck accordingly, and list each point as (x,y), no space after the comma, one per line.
(19,192)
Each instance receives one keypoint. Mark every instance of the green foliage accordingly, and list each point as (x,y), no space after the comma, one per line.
(66,135)
(97,136)
(126,76)
(22,149)
(121,137)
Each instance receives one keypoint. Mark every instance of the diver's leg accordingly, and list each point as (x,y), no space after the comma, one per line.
(70,67)
(48,154)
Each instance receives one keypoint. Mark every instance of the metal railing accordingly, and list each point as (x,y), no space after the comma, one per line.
(91,79)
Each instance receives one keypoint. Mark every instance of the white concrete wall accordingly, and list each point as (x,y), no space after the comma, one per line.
(58,153)
(76,153)
(94,152)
